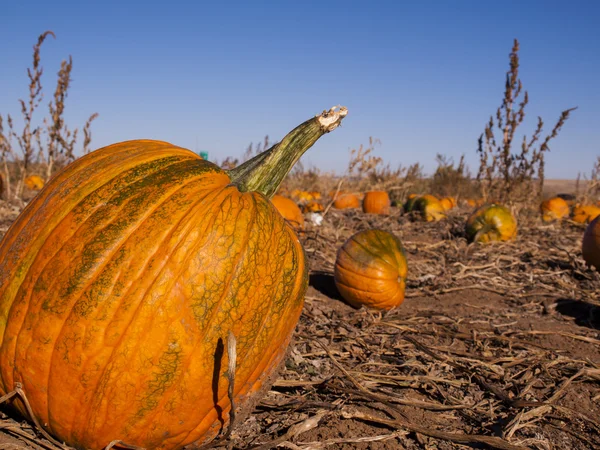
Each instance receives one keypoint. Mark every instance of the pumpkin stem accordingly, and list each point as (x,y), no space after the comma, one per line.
(265,172)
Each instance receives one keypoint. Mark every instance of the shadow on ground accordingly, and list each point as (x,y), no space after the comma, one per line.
(585,314)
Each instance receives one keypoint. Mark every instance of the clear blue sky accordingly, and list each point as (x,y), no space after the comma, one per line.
(422,76)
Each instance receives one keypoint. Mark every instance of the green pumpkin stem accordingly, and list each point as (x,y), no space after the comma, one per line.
(265,172)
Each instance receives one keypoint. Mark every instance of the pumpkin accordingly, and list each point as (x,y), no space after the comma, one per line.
(34,182)
(553,209)
(376,202)
(315,195)
(312,206)
(121,281)
(345,201)
(428,208)
(370,270)
(491,223)
(569,198)
(289,210)
(585,213)
(591,244)
(448,203)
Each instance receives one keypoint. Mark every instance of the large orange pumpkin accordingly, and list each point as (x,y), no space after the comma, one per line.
(591,244)
(34,182)
(121,281)
(370,270)
(491,223)
(585,213)
(376,202)
(289,210)
(553,209)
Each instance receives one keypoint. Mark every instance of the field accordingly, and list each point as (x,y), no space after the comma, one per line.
(495,346)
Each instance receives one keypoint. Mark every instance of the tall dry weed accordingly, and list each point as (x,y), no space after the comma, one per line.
(504,175)
(41,147)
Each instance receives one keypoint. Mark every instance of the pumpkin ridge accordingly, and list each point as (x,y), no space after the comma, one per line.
(13,234)
(106,259)
(362,275)
(296,293)
(381,255)
(393,288)
(192,210)
(15,301)
(368,251)
(225,290)
(383,246)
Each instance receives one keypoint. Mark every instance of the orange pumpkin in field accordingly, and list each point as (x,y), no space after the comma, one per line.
(128,284)
(553,209)
(376,202)
(289,210)
(370,270)
(429,208)
(312,207)
(346,201)
(585,213)
(491,223)
(34,182)
(448,203)
(591,244)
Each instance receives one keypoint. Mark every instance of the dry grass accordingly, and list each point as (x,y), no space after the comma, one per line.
(504,175)
(42,147)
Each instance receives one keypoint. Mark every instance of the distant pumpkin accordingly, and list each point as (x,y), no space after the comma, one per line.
(312,206)
(289,210)
(585,213)
(491,223)
(34,182)
(553,209)
(370,270)
(429,208)
(591,244)
(448,203)
(376,202)
(346,201)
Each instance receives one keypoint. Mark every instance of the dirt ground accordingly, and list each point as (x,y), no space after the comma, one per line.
(495,346)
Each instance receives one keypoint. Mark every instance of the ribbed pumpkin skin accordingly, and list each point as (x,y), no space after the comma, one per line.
(491,223)
(554,209)
(591,244)
(289,210)
(376,202)
(370,270)
(119,284)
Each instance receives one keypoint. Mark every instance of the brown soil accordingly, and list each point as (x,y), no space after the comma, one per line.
(495,346)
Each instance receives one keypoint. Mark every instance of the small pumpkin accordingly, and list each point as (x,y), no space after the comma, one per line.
(370,270)
(554,208)
(585,213)
(34,182)
(591,244)
(448,203)
(312,206)
(316,195)
(376,202)
(122,280)
(428,208)
(346,201)
(289,210)
(491,223)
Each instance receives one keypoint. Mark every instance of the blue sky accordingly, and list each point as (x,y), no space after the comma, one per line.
(423,77)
